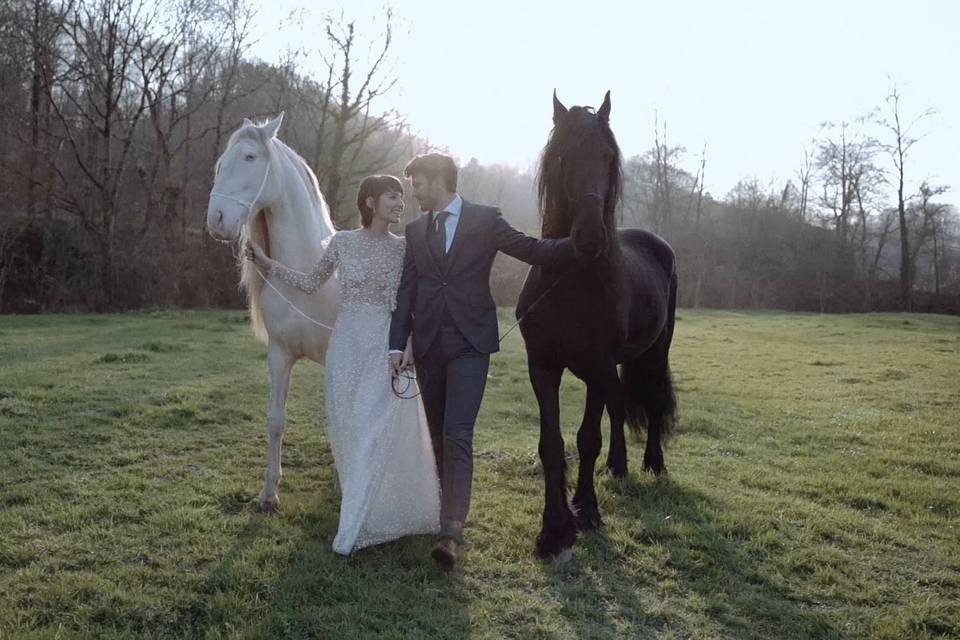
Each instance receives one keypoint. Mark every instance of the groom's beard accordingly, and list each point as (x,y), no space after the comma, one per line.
(427,203)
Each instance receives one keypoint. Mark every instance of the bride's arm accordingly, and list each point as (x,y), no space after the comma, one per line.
(309,282)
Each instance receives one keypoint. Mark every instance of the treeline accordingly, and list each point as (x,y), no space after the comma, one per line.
(113,112)
(836,238)
(843,235)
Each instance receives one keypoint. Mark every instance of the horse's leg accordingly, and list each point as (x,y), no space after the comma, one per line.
(559,530)
(589,442)
(660,408)
(660,398)
(617,454)
(653,403)
(280,362)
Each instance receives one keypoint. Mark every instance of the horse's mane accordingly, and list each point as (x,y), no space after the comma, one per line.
(580,129)
(280,157)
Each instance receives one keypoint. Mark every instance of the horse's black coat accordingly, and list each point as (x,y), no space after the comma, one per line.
(615,306)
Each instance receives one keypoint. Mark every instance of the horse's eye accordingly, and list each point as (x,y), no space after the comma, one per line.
(250,156)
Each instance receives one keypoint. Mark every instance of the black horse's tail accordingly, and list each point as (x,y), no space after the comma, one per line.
(649,397)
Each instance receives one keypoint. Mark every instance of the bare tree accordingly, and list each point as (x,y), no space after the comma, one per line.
(868,198)
(238,15)
(362,140)
(898,148)
(170,77)
(40,37)
(13,51)
(699,253)
(804,174)
(28,34)
(885,229)
(662,159)
(99,109)
(634,204)
(942,258)
(928,223)
(845,163)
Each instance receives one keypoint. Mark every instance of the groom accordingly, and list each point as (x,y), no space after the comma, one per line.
(444,300)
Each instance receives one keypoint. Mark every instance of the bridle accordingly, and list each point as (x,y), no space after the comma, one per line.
(410,378)
(249,204)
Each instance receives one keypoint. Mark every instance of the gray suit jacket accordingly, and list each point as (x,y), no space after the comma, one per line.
(462,284)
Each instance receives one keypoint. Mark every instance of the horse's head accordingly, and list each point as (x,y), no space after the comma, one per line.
(580,178)
(242,185)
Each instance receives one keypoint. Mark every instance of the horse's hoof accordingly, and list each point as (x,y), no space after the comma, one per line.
(653,462)
(269,507)
(659,470)
(551,544)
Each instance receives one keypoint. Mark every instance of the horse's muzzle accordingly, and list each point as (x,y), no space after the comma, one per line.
(588,252)
(223,224)
(588,245)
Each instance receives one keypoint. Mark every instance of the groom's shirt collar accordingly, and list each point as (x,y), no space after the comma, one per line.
(455,206)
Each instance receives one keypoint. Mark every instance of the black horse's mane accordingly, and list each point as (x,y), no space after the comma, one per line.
(581,129)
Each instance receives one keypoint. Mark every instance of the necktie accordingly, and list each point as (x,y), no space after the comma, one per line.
(441,231)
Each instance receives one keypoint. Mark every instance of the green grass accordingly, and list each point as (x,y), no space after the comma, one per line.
(812,493)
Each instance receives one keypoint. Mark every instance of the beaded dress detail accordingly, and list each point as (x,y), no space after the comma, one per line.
(380,443)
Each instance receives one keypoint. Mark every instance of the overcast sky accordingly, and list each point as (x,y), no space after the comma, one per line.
(752,80)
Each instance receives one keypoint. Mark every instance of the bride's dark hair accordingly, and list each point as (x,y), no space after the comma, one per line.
(375,186)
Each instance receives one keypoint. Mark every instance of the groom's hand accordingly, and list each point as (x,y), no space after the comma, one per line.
(396,364)
(406,362)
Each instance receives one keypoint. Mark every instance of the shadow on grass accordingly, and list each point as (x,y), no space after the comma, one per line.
(673,550)
(392,590)
(389,591)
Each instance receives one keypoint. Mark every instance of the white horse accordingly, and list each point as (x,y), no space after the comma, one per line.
(264,191)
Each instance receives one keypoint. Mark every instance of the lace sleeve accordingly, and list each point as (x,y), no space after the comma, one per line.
(310,282)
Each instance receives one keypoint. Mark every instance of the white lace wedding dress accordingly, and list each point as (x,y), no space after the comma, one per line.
(381,443)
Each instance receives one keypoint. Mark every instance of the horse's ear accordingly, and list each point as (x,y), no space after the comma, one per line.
(604,111)
(270,129)
(559,111)
(247,122)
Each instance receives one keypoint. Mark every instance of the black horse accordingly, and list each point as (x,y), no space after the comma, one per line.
(615,306)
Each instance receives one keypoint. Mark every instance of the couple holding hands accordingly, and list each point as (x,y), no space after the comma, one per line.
(405,461)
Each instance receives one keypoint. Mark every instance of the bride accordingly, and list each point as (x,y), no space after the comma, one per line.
(380,441)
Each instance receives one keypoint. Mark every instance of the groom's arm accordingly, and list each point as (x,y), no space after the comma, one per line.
(546,251)
(402,320)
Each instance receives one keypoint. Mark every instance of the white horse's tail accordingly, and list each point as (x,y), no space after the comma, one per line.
(250,281)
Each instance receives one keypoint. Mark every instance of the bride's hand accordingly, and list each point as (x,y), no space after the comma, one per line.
(254,253)
(395,364)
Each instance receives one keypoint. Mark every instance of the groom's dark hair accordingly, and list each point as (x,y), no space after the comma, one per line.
(433,165)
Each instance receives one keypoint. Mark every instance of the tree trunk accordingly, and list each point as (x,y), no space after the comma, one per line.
(905,272)
(936,265)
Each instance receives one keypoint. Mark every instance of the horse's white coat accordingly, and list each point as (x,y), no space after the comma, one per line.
(264,191)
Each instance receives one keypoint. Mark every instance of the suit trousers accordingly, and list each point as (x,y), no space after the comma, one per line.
(452,377)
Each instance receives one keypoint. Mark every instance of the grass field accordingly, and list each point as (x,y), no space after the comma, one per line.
(814,492)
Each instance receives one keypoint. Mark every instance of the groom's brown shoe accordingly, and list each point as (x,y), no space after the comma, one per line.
(445,552)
